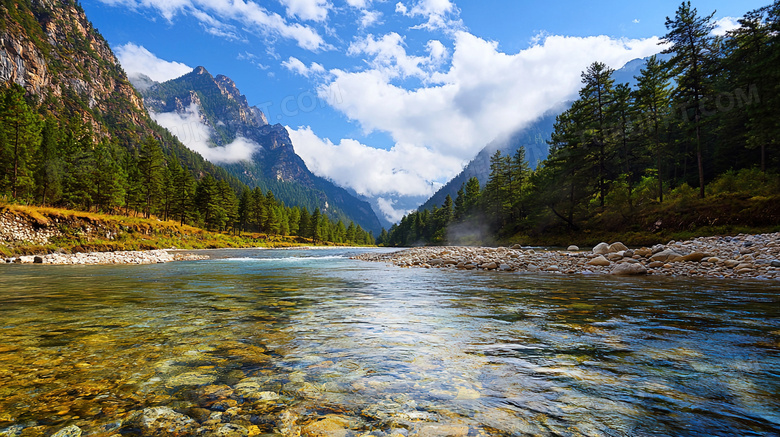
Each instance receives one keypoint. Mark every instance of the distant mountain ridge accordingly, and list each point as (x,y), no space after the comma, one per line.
(273,163)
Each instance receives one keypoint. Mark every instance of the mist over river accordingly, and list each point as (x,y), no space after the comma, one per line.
(310,342)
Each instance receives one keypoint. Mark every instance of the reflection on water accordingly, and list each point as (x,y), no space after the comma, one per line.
(280,342)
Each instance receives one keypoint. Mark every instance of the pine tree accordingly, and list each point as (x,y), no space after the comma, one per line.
(315,225)
(183,192)
(691,45)
(150,165)
(244,210)
(21,128)
(108,178)
(652,101)
(49,165)
(596,96)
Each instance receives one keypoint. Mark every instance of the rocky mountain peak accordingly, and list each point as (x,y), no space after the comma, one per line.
(201,70)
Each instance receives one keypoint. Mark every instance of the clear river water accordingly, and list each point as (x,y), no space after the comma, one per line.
(274,341)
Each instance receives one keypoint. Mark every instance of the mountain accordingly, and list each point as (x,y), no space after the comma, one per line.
(53,51)
(533,137)
(209,113)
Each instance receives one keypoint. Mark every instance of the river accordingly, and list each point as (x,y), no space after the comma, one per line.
(279,341)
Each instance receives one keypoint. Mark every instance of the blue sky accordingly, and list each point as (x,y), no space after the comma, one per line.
(391,98)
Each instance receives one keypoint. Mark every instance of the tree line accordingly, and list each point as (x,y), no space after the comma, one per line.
(706,115)
(63,163)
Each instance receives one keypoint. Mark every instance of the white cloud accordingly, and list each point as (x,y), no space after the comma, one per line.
(369,18)
(725,24)
(360,4)
(485,93)
(437,13)
(482,94)
(406,169)
(297,66)
(213,14)
(387,207)
(390,56)
(137,59)
(636,21)
(190,129)
(314,10)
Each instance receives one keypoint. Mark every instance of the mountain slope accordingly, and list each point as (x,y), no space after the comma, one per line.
(249,148)
(51,49)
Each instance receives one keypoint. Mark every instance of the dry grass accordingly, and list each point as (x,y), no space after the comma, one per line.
(128,233)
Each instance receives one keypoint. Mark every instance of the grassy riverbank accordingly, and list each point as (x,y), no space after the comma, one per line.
(29,230)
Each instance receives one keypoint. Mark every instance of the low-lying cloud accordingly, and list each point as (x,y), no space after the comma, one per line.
(137,59)
(193,132)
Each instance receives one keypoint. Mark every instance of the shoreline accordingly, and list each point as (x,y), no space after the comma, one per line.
(755,256)
(151,256)
(155,256)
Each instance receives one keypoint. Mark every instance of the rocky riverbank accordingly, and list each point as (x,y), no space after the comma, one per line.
(741,256)
(120,257)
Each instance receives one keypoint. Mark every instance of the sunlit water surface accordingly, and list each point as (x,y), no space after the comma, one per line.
(390,350)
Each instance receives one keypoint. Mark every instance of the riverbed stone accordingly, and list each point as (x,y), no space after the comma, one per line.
(693,257)
(69,431)
(601,249)
(599,261)
(665,255)
(573,248)
(192,378)
(231,430)
(431,430)
(331,426)
(655,264)
(628,269)
(165,422)
(644,252)
(617,247)
(775,263)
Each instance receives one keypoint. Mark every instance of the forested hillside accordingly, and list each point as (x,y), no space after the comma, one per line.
(692,147)
(74,134)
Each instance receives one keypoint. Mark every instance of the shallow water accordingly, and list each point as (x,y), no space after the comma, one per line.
(387,350)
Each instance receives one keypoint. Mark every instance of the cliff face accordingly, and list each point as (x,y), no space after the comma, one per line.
(50,48)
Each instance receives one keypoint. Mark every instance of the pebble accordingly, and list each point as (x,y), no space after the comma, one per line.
(119,257)
(701,257)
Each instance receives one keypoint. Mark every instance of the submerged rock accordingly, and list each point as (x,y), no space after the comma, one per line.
(164,422)
(332,426)
(70,431)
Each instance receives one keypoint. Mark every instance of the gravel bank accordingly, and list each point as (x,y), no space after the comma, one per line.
(742,256)
(122,257)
